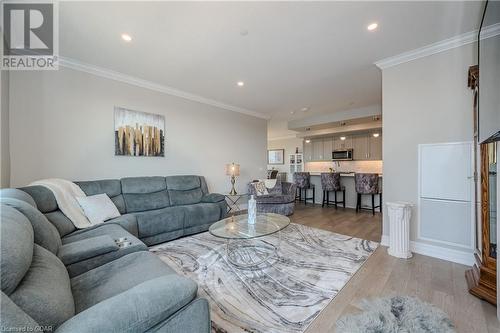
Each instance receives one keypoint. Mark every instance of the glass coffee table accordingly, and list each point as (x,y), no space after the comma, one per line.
(245,247)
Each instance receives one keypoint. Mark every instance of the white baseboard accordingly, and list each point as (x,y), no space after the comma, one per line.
(459,257)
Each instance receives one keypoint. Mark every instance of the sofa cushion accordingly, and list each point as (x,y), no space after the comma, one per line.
(141,185)
(63,225)
(182,183)
(140,202)
(14,319)
(128,222)
(45,200)
(15,193)
(45,291)
(116,277)
(201,213)
(111,187)
(16,247)
(112,230)
(45,234)
(158,221)
(185,197)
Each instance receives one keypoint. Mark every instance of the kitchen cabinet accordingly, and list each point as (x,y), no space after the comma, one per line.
(375,144)
(327,149)
(342,144)
(317,146)
(308,151)
(361,147)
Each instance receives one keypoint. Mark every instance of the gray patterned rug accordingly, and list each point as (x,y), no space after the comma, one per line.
(399,314)
(282,295)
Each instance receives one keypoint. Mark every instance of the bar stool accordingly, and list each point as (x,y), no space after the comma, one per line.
(303,182)
(330,181)
(367,183)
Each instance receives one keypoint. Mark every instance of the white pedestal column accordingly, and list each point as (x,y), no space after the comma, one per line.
(399,229)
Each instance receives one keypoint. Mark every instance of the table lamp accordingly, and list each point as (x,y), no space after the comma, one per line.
(233,170)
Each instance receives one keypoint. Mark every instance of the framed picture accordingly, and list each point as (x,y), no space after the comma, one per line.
(139,133)
(276,156)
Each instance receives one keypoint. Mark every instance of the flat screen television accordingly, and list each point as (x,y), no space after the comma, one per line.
(489,73)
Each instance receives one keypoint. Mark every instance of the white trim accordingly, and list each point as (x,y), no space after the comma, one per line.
(460,257)
(471,245)
(117,76)
(444,45)
(286,137)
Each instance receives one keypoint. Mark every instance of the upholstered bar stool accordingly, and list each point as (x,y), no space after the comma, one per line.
(367,184)
(303,182)
(330,182)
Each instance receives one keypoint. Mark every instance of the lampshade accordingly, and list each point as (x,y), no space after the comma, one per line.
(232,169)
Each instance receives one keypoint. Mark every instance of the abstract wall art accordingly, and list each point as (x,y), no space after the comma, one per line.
(139,133)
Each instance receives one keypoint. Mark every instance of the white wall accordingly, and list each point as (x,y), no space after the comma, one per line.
(61,125)
(424,101)
(289,145)
(4,131)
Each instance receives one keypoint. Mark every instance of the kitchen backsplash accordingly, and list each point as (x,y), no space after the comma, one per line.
(345,166)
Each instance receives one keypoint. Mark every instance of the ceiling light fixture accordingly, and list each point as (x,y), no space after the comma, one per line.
(304,109)
(240,83)
(292,112)
(308,141)
(126,37)
(372,26)
(376,135)
(342,138)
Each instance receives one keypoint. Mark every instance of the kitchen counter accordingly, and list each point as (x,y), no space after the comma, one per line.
(342,174)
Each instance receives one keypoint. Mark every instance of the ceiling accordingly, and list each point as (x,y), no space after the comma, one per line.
(289,54)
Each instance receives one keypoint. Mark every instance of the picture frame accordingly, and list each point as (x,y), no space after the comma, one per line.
(276,156)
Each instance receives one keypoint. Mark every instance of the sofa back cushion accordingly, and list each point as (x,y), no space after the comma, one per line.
(16,247)
(45,291)
(45,234)
(47,204)
(14,319)
(184,190)
(144,193)
(111,187)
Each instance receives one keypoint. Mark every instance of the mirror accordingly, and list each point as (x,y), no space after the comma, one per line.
(492,197)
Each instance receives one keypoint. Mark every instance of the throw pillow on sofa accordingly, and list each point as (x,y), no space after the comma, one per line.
(98,208)
(260,188)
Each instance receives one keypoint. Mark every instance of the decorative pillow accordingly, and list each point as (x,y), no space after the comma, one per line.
(98,208)
(260,188)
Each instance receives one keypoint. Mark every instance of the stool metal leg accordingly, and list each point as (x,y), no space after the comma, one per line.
(343,198)
(373,204)
(335,197)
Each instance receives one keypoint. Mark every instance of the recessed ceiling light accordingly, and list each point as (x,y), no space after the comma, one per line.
(308,141)
(292,112)
(342,138)
(240,83)
(304,109)
(376,135)
(126,37)
(372,26)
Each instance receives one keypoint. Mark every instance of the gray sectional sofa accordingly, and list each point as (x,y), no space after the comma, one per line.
(67,280)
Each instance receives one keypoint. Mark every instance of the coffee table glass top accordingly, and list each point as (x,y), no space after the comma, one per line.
(237,227)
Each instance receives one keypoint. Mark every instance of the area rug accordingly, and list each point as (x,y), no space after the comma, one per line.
(285,293)
(400,314)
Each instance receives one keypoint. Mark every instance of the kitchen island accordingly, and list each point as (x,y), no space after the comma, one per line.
(346,180)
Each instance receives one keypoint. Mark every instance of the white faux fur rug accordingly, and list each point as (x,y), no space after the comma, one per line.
(283,295)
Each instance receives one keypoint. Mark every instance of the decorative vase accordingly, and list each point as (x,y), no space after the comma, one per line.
(252,210)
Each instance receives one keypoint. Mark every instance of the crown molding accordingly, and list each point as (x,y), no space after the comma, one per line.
(117,76)
(444,45)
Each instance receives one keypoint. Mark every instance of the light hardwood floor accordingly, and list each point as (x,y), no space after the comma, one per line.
(436,281)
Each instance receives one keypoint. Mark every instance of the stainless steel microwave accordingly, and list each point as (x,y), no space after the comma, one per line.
(342,155)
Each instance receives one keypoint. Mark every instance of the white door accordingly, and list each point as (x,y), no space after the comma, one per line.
(445,193)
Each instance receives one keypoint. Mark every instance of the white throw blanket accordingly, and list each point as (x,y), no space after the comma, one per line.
(65,193)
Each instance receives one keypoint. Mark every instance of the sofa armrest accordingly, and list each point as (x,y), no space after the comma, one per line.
(86,248)
(212,198)
(137,309)
(289,188)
